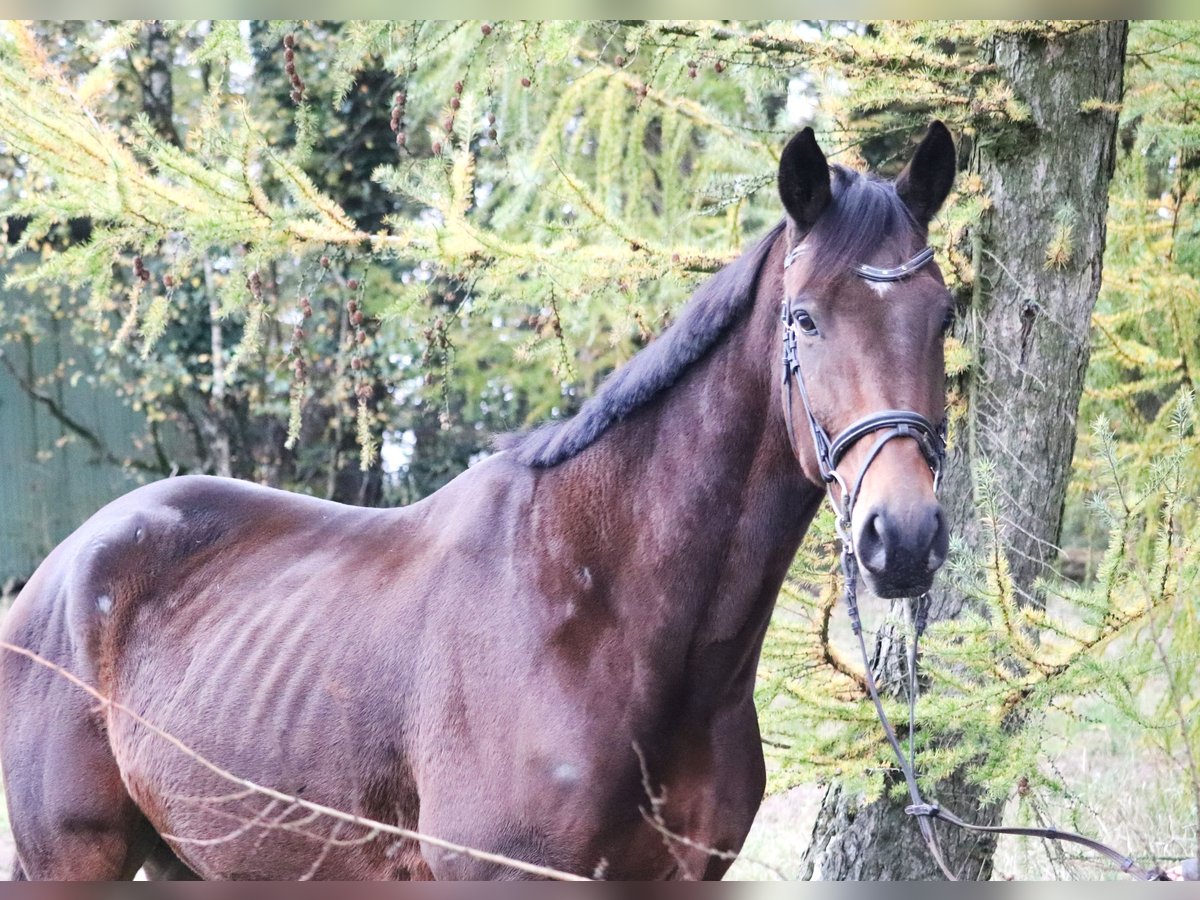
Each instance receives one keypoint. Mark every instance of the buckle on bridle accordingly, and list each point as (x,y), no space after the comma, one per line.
(923,809)
(904,423)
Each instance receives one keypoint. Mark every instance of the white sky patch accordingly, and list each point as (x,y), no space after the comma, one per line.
(802,99)
(801,102)
(241,71)
(396,451)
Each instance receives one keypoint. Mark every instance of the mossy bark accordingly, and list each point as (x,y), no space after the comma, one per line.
(1037,256)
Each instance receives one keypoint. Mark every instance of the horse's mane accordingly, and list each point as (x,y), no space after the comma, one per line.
(864,212)
(713,308)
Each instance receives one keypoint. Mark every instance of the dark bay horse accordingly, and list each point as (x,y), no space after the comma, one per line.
(515,662)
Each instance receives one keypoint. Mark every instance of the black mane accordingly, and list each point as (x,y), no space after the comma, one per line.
(863,214)
(710,312)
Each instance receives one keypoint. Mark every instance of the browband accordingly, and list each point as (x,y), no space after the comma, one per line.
(899,273)
(874,273)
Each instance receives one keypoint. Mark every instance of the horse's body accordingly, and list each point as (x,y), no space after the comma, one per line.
(514,664)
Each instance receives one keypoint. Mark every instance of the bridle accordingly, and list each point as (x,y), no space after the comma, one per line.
(888,425)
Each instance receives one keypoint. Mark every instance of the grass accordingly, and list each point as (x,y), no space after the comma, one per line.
(1120,788)
(775,846)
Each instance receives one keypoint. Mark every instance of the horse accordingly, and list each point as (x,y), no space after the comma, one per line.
(552,658)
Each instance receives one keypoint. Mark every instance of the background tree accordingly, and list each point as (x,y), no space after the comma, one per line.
(1026,320)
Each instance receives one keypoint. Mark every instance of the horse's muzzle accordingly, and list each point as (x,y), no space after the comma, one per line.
(900,552)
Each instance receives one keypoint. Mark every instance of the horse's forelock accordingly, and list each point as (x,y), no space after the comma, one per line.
(865,214)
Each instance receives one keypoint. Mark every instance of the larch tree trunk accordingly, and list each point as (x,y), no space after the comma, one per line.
(1028,323)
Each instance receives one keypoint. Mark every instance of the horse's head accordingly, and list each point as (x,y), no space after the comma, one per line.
(864,315)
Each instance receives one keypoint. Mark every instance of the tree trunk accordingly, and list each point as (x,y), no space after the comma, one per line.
(158,95)
(1028,322)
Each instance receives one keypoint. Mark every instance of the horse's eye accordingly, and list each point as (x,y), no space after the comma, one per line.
(948,321)
(805,321)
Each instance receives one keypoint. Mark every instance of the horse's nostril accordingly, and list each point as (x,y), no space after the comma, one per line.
(940,545)
(903,550)
(876,526)
(872,543)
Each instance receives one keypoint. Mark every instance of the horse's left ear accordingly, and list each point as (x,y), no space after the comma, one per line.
(926,180)
(804,180)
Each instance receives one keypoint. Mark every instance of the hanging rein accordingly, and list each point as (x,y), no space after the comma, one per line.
(888,425)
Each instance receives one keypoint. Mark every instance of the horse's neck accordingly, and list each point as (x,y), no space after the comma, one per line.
(699,498)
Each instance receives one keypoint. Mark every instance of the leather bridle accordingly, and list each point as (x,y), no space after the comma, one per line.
(888,425)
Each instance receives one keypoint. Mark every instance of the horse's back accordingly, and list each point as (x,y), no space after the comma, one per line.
(148,544)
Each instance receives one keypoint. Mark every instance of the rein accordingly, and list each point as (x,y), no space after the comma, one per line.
(888,425)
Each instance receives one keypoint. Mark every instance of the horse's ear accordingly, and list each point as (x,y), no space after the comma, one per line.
(926,180)
(804,179)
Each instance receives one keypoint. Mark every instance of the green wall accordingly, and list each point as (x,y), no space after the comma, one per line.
(50,482)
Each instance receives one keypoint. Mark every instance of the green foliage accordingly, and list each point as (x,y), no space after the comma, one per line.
(1002,668)
(560,189)
(1147,341)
